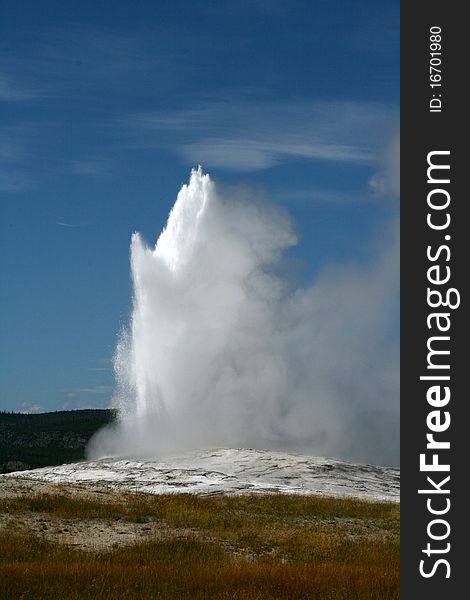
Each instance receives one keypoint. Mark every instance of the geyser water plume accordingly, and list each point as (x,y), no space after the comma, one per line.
(223,351)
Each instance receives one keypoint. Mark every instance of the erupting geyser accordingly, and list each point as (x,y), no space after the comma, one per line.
(222,350)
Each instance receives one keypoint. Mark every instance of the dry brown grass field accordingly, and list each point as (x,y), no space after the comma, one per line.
(67,542)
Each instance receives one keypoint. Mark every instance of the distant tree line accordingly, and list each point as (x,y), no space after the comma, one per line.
(30,441)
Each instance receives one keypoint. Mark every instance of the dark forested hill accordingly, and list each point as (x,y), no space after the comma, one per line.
(40,440)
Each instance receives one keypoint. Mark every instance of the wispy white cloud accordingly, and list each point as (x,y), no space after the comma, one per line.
(386,182)
(51,65)
(56,62)
(9,150)
(19,149)
(30,408)
(12,181)
(62,224)
(97,389)
(92,167)
(250,135)
(10,91)
(251,155)
(26,142)
(235,131)
(318,196)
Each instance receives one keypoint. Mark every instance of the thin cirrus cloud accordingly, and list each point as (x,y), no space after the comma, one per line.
(13,181)
(386,182)
(252,154)
(233,131)
(249,136)
(97,389)
(25,144)
(28,408)
(19,151)
(92,167)
(57,63)
(10,91)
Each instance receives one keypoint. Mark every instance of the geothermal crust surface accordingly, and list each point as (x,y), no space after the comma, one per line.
(230,471)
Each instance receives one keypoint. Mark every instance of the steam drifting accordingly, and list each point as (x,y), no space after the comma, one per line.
(222,350)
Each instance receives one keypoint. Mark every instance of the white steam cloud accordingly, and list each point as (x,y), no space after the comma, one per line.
(223,351)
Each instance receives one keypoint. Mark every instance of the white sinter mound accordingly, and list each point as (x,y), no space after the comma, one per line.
(231,471)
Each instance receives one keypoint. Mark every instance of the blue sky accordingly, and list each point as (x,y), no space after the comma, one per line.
(105,110)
